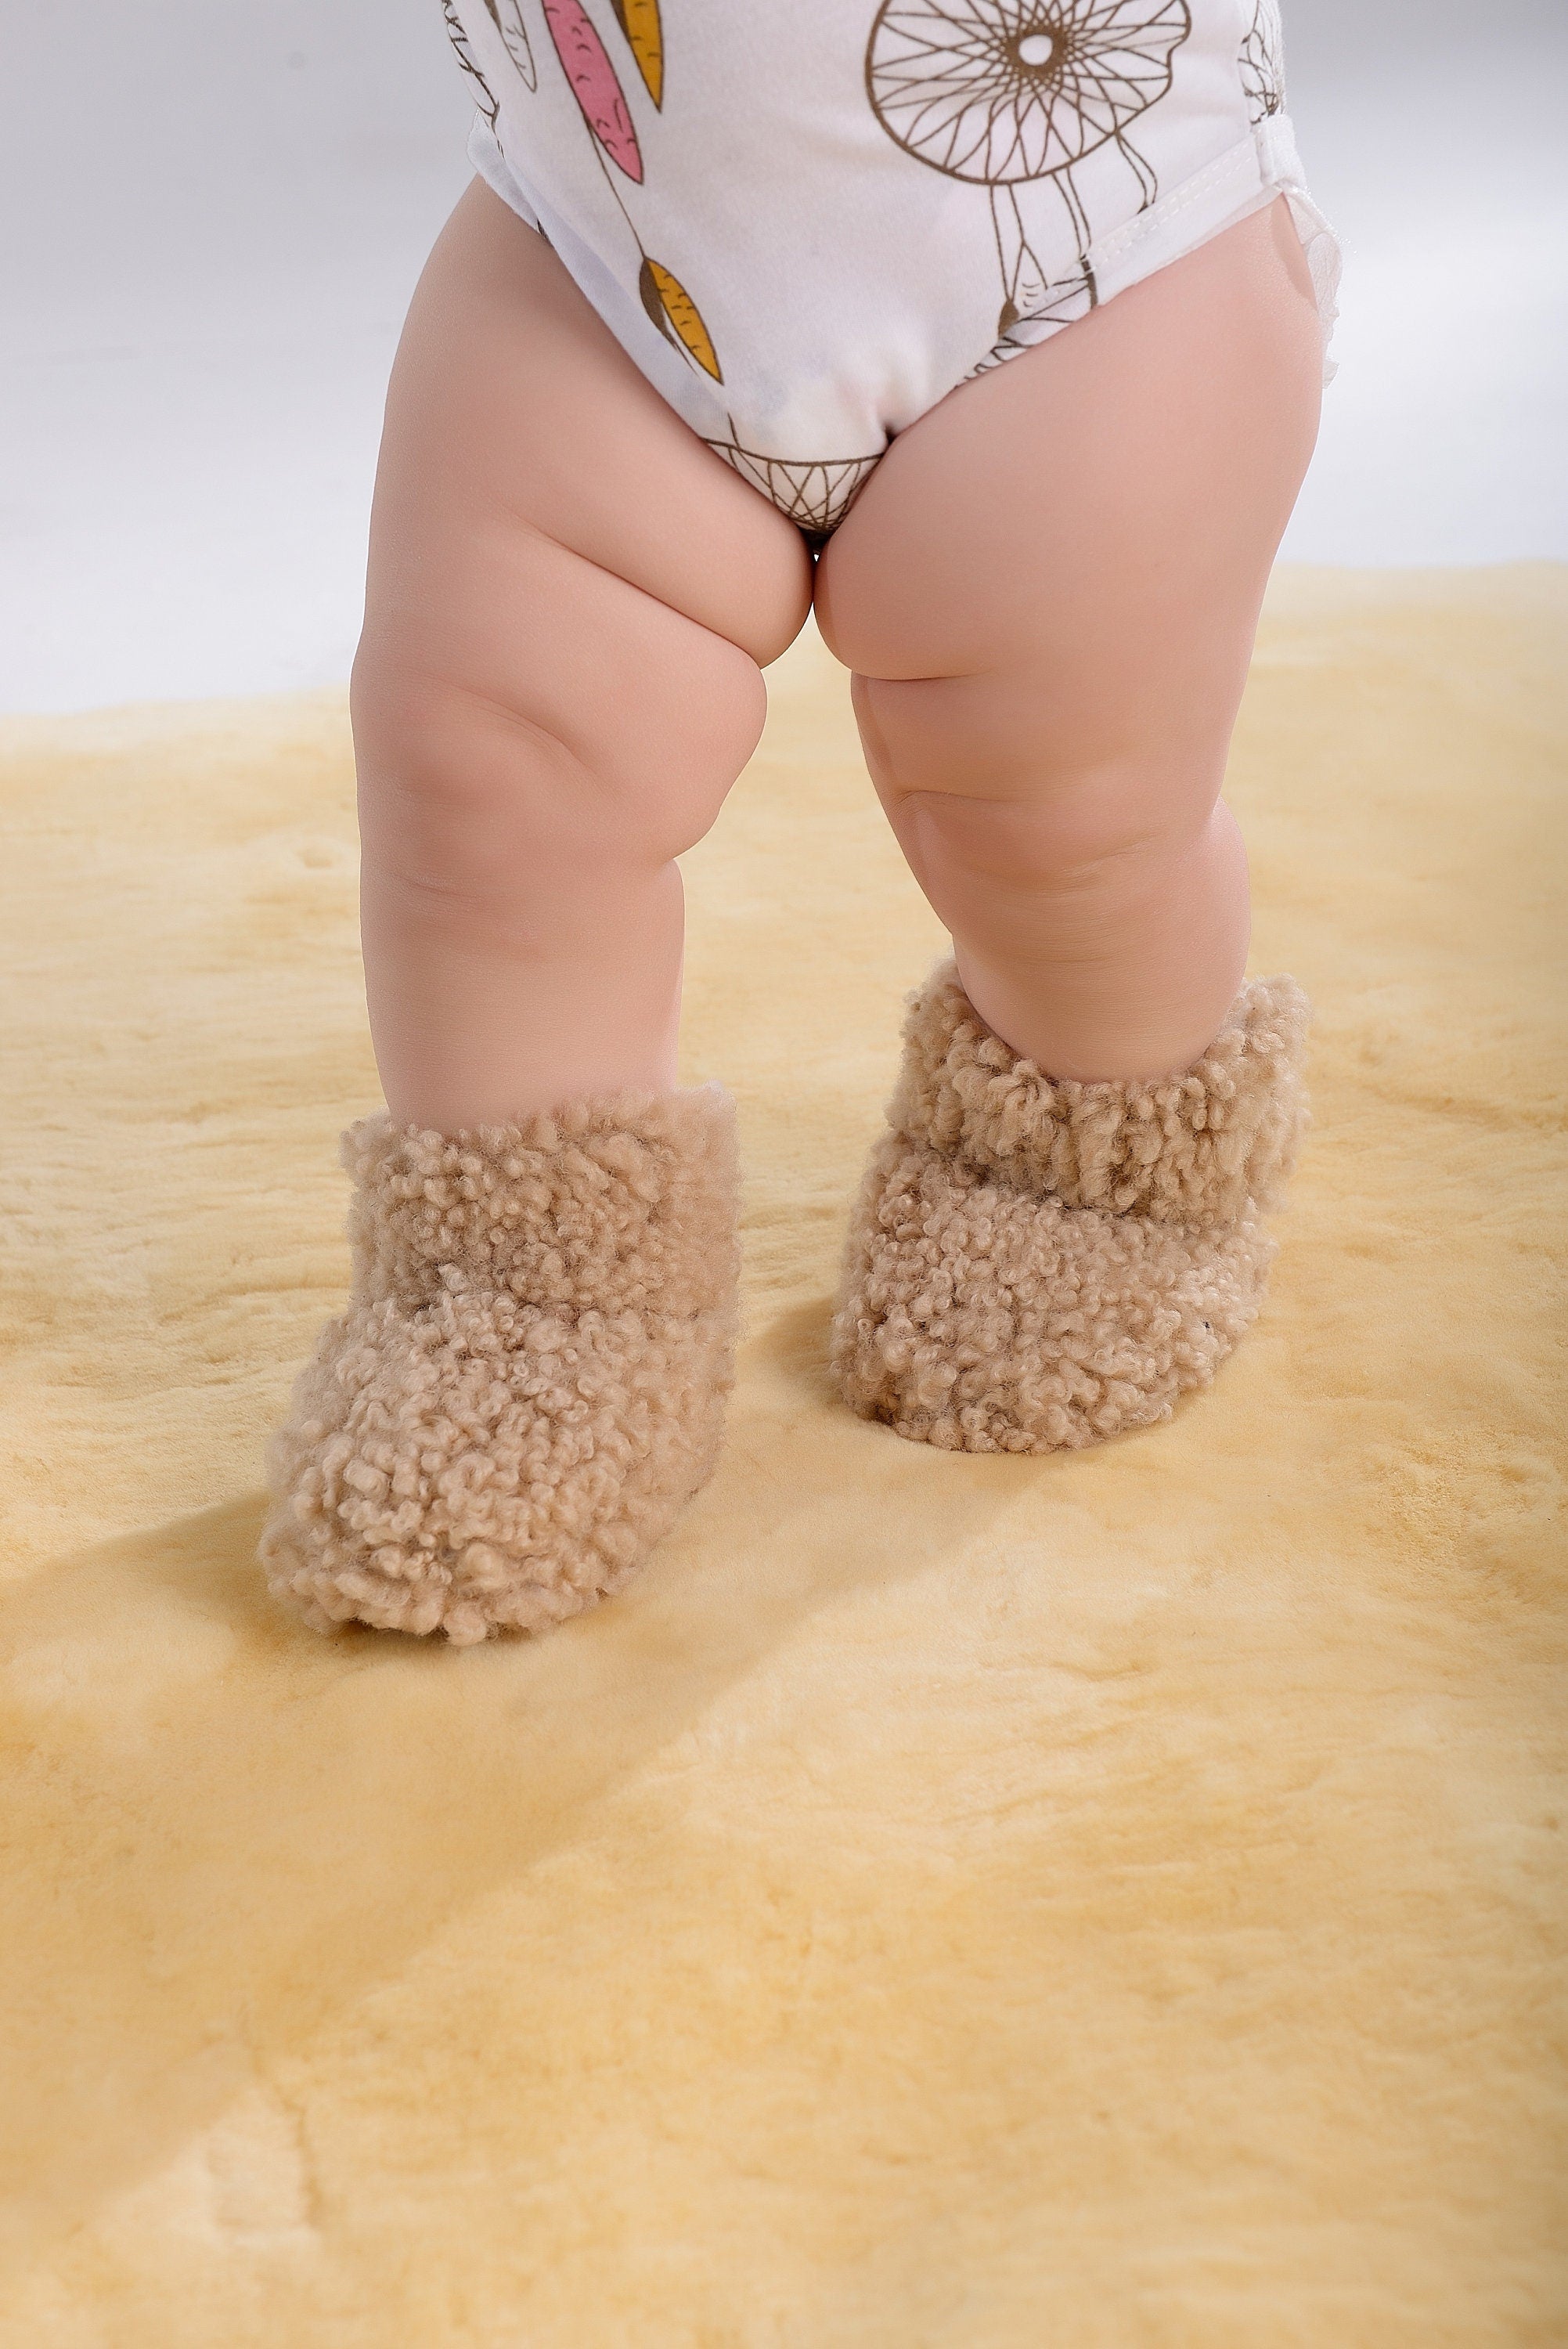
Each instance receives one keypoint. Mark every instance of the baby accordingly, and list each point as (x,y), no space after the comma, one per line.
(992,331)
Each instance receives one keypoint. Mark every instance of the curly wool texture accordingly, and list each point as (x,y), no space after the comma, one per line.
(1208,1146)
(529,1381)
(1033,1266)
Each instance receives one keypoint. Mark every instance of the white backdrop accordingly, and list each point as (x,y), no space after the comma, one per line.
(211,212)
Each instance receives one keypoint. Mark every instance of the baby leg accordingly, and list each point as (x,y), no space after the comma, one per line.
(568,601)
(569,598)
(1048,592)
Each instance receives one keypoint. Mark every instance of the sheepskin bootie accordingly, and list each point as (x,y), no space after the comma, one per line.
(1036,1265)
(529,1381)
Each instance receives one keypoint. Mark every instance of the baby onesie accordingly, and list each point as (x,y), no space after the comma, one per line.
(806,221)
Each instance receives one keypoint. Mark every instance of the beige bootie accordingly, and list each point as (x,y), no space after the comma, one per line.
(1036,1265)
(529,1379)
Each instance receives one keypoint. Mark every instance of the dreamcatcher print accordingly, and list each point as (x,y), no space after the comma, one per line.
(1038,102)
(1263,62)
(815,492)
(1005,92)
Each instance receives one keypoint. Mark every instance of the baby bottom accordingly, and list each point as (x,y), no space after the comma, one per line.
(1047,594)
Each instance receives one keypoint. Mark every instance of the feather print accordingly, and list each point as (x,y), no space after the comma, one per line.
(593,84)
(1023,280)
(507,18)
(468,62)
(676,315)
(639,20)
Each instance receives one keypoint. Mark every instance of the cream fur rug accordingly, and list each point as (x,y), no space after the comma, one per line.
(950,1902)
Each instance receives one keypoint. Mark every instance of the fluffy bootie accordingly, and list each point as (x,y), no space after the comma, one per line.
(529,1381)
(1036,1265)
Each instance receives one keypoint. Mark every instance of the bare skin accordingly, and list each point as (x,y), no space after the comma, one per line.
(1048,594)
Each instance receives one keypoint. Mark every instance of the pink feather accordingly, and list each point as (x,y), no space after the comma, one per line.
(587,67)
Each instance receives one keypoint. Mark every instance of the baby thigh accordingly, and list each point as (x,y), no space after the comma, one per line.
(568,601)
(1048,592)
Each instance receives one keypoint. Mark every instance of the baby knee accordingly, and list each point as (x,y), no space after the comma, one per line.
(484,786)
(1065,846)
(991,780)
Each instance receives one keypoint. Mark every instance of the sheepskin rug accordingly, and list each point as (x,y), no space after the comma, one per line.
(946,1902)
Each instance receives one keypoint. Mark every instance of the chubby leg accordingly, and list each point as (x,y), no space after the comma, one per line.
(1048,592)
(569,600)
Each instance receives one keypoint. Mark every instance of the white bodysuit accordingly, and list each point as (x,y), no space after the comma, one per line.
(806,221)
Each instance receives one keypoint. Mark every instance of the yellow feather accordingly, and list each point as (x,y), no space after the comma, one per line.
(686,319)
(639,20)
